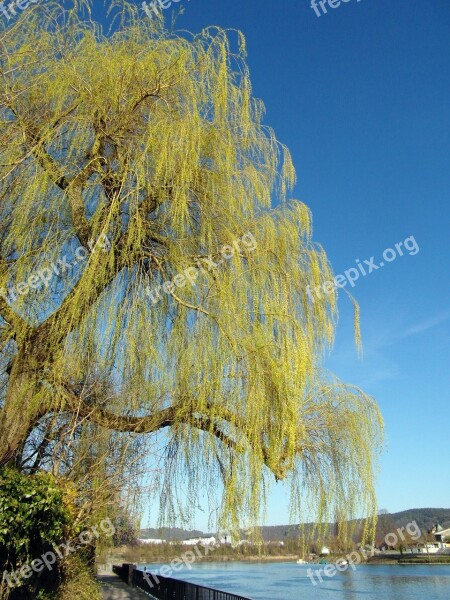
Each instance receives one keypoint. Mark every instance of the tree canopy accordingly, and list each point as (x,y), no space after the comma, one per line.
(128,159)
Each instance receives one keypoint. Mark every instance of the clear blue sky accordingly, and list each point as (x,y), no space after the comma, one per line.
(361,96)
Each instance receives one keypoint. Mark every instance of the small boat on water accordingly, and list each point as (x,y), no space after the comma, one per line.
(301,561)
(342,562)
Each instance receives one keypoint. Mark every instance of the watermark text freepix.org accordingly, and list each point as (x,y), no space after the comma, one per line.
(246,242)
(153,6)
(44,276)
(365,267)
(10,11)
(184,560)
(48,559)
(342,564)
(323,5)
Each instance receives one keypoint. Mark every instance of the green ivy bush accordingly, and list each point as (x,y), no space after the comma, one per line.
(33,517)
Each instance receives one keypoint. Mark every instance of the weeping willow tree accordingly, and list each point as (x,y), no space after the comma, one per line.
(128,162)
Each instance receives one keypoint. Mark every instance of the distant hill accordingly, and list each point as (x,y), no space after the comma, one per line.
(424,517)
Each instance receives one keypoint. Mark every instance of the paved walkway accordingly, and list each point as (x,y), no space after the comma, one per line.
(113,588)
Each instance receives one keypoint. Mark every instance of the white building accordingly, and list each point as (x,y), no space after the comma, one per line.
(211,541)
(441,545)
(151,541)
(441,535)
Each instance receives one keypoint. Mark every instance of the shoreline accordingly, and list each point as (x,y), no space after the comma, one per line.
(288,559)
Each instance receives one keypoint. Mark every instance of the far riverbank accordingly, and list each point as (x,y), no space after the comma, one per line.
(145,555)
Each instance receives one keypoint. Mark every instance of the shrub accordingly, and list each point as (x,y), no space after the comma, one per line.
(33,517)
(78,582)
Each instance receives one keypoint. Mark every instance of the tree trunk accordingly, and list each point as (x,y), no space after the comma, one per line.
(18,413)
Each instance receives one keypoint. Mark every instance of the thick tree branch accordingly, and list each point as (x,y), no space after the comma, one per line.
(72,187)
(148,424)
(6,312)
(168,417)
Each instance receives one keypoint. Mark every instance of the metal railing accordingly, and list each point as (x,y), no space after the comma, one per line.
(167,588)
(121,571)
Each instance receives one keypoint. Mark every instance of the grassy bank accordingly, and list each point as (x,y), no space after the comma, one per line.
(165,554)
(425,560)
(143,554)
(410,560)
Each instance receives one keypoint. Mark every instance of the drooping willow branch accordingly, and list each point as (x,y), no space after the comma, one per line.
(162,148)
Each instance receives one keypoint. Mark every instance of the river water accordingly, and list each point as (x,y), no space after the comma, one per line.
(289,581)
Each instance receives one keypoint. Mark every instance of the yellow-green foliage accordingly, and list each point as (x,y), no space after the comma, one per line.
(78,582)
(155,140)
